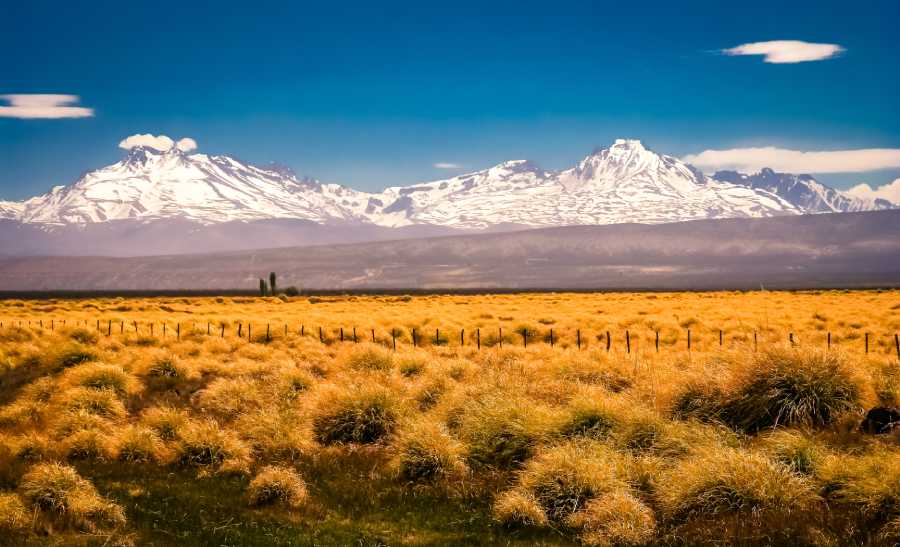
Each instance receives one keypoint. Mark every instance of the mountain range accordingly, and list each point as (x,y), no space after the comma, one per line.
(206,202)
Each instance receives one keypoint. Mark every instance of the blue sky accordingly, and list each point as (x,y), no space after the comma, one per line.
(374,94)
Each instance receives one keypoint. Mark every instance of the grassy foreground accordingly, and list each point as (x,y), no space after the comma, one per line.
(203,439)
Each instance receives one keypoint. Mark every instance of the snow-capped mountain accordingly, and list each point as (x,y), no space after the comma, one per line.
(151,184)
(803,191)
(623,183)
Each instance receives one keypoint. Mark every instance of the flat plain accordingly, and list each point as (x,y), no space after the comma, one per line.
(248,421)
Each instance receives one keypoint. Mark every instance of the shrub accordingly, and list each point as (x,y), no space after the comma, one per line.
(616,518)
(277,485)
(518,508)
(787,387)
(427,452)
(61,492)
(563,478)
(724,491)
(14,519)
(358,415)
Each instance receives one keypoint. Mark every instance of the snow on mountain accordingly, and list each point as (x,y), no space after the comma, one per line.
(623,183)
(10,210)
(152,184)
(803,191)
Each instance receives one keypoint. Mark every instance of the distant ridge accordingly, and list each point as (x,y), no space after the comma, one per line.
(808,251)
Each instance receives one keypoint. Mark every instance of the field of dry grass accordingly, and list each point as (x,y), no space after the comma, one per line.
(114,435)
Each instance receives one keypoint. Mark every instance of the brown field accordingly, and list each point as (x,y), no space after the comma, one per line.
(117,436)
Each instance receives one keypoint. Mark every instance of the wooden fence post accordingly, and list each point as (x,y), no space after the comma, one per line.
(657,341)
(240,330)
(478,338)
(791,338)
(135,327)
(151,330)
(354,336)
(828,343)
(342,334)
(121,327)
(437,337)
(302,330)
(867,343)
(394,338)
(755,344)
(551,338)
(249,331)
(627,342)
(208,328)
(267,332)
(608,342)
(223,330)
(415,342)
(525,337)
(462,337)
(689,340)
(578,338)
(285,330)
(501,337)
(373,336)
(321,339)
(720,337)
(178,331)
(109,328)
(897,344)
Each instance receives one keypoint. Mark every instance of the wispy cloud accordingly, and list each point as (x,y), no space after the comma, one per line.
(158,142)
(797,161)
(889,191)
(43,106)
(447,165)
(787,51)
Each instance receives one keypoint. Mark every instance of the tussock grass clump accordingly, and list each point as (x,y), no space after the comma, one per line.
(501,430)
(15,334)
(69,356)
(358,414)
(139,444)
(370,357)
(698,400)
(228,397)
(515,508)
(166,422)
(563,478)
(83,336)
(88,444)
(786,387)
(14,519)
(60,492)
(869,484)
(102,376)
(275,484)
(99,402)
(616,518)
(428,453)
(726,491)
(207,445)
(591,417)
(799,452)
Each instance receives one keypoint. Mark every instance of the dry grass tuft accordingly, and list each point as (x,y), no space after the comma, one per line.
(360,414)
(616,518)
(275,484)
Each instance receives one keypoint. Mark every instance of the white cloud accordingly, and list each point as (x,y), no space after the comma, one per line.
(446,165)
(161,143)
(797,161)
(889,191)
(786,51)
(43,106)
(186,144)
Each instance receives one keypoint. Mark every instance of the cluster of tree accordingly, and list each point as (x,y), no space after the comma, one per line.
(271,288)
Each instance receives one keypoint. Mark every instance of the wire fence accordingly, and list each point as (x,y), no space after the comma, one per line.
(477,338)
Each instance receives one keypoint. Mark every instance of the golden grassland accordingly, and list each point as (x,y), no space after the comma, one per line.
(195,438)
